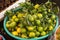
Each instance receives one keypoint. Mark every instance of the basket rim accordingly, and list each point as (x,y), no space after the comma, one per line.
(25,38)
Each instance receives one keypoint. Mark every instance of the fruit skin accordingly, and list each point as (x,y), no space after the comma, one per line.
(8,22)
(11,20)
(53,16)
(13,24)
(33,11)
(18,30)
(45,28)
(23,30)
(30,28)
(13,17)
(7,25)
(31,34)
(36,6)
(15,33)
(50,28)
(16,19)
(34,16)
(24,36)
(37,33)
(49,21)
(38,22)
(45,12)
(40,29)
(39,15)
(31,18)
(20,15)
(43,33)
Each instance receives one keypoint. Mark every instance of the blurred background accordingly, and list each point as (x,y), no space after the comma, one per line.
(5,3)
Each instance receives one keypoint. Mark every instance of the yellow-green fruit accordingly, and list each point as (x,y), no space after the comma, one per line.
(38,22)
(54,21)
(31,18)
(21,25)
(13,17)
(45,28)
(50,28)
(53,17)
(23,30)
(11,20)
(31,34)
(40,29)
(13,24)
(18,30)
(34,16)
(49,21)
(37,33)
(15,33)
(20,15)
(45,12)
(30,28)
(43,33)
(39,15)
(23,36)
(36,6)
(16,19)
(8,22)
(7,25)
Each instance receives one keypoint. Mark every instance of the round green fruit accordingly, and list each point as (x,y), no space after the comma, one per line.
(13,24)
(37,33)
(34,16)
(31,34)
(53,17)
(38,22)
(16,19)
(39,15)
(43,33)
(30,28)
(50,28)
(23,30)
(40,29)
(24,36)
(31,18)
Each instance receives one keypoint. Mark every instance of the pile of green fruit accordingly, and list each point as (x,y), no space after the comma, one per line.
(32,21)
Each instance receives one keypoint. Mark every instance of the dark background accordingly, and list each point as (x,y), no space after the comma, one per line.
(43,1)
(5,3)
